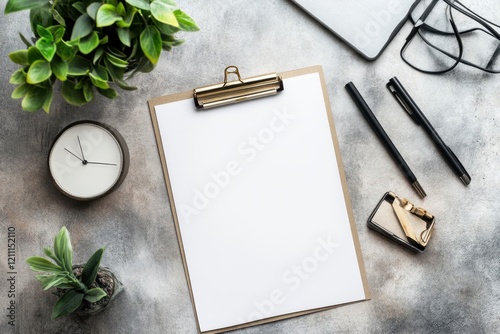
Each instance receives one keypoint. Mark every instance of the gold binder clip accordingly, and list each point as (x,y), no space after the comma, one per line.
(402,207)
(400,220)
(238,90)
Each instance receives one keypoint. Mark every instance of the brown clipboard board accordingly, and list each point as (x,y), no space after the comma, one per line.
(152,103)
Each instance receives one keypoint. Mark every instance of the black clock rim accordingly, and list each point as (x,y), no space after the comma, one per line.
(125,156)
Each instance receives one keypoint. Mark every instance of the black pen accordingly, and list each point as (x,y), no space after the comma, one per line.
(416,114)
(384,138)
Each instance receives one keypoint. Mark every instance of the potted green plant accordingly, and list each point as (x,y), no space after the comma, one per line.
(83,289)
(90,46)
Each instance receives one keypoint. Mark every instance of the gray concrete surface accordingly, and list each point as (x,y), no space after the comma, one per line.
(454,287)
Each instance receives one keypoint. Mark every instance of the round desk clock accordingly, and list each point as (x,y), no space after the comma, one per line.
(88,160)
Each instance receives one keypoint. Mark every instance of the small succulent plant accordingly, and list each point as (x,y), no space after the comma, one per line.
(90,44)
(59,274)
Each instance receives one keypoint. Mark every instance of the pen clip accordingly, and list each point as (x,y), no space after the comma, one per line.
(401,101)
(465,177)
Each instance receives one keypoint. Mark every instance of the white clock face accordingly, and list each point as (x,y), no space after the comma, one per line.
(86,161)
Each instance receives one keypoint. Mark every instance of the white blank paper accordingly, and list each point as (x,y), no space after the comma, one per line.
(260,206)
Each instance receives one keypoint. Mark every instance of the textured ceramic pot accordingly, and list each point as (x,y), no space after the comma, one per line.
(105,280)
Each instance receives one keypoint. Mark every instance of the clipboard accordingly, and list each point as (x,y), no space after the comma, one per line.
(259,199)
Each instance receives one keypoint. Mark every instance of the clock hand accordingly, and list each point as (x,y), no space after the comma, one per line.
(84,162)
(89,162)
(100,163)
(81,150)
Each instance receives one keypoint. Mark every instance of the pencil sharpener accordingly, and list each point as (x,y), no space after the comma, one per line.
(401,221)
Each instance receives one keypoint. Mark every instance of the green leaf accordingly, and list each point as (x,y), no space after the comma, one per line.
(71,95)
(117,53)
(83,27)
(80,6)
(57,32)
(34,98)
(67,304)
(19,57)
(78,66)
(124,85)
(133,54)
(21,91)
(57,247)
(114,71)
(79,85)
(107,15)
(57,16)
(46,280)
(95,294)
(65,50)
(186,23)
(63,249)
(124,36)
(48,100)
(44,33)
(163,13)
(38,263)
(142,4)
(169,41)
(109,93)
(60,68)
(92,9)
(168,38)
(117,74)
(116,61)
(25,40)
(98,82)
(97,55)
(38,72)
(16,5)
(167,45)
(89,43)
(104,40)
(120,9)
(145,66)
(53,280)
(90,269)
(101,72)
(18,77)
(127,20)
(66,286)
(150,41)
(49,253)
(165,29)
(43,278)
(46,48)
(41,16)
(88,92)
(34,54)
